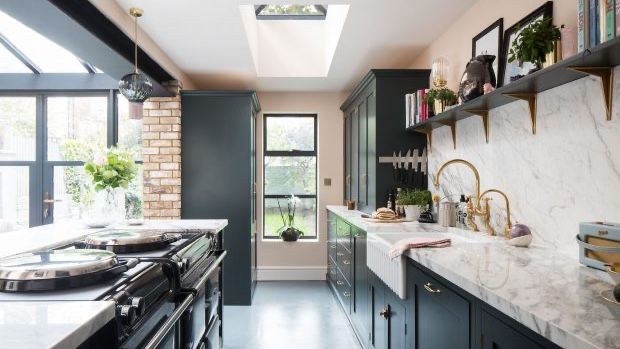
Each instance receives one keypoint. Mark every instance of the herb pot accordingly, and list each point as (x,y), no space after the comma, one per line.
(412,212)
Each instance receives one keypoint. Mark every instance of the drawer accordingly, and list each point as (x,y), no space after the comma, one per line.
(344,234)
(345,294)
(441,294)
(344,260)
(332,247)
(332,270)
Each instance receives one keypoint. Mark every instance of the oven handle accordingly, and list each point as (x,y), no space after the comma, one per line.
(169,324)
(206,275)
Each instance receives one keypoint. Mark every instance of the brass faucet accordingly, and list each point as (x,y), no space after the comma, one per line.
(473,206)
(508,223)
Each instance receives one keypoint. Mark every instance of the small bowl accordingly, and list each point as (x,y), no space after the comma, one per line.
(614,271)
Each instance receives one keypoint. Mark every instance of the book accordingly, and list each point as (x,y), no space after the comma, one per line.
(423,105)
(593,23)
(617,19)
(609,31)
(582,25)
(407,111)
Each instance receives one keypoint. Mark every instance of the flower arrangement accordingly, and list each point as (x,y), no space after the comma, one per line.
(113,169)
(288,232)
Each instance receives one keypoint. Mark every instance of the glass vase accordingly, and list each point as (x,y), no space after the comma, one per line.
(107,207)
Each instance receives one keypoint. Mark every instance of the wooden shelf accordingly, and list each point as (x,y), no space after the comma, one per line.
(603,58)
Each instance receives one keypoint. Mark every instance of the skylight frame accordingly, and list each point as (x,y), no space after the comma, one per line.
(277,17)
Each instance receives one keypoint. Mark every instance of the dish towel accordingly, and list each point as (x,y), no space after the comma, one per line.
(405,244)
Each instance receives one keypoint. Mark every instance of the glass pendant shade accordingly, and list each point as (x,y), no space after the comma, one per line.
(439,72)
(137,88)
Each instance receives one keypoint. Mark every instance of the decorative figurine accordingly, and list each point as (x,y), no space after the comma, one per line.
(520,235)
(478,72)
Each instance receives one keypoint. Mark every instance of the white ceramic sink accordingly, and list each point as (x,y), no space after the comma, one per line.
(393,271)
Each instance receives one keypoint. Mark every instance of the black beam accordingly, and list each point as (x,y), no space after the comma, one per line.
(19,54)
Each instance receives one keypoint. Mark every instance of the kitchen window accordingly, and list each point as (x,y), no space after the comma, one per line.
(290,168)
(46,138)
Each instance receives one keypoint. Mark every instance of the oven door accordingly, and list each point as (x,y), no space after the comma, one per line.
(205,306)
(168,335)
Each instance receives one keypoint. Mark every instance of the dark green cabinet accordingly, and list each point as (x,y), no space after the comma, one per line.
(389,317)
(361,286)
(375,126)
(495,334)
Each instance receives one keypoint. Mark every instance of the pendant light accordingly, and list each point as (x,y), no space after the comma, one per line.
(136,87)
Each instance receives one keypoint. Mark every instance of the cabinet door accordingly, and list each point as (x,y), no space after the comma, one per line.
(362,110)
(378,326)
(371,150)
(355,155)
(396,321)
(347,154)
(495,334)
(361,299)
(441,315)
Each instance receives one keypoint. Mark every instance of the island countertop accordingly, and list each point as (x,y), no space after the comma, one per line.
(66,324)
(543,289)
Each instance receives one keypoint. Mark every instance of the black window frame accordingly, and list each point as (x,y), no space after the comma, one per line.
(292,153)
(41,168)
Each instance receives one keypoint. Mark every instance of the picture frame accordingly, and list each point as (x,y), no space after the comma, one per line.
(489,41)
(514,69)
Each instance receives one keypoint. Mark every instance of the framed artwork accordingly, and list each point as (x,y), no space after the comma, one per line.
(489,42)
(515,70)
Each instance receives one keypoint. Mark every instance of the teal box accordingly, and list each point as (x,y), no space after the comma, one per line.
(599,244)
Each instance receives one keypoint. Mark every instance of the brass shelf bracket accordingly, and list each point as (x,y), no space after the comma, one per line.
(485,120)
(452,125)
(429,137)
(607,82)
(530,98)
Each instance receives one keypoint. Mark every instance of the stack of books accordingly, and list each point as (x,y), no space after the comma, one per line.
(415,107)
(597,21)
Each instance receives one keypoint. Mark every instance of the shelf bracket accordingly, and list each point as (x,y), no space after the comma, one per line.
(452,125)
(607,83)
(429,137)
(530,98)
(485,120)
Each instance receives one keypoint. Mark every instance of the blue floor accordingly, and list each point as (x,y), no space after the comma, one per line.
(289,315)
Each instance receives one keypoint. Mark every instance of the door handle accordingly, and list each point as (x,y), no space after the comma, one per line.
(47,201)
(429,287)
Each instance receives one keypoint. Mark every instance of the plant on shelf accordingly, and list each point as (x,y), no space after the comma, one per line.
(439,98)
(413,201)
(288,231)
(534,42)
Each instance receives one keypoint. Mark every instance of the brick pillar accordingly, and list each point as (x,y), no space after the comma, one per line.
(162,158)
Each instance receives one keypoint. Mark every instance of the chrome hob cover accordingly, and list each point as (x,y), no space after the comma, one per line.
(129,241)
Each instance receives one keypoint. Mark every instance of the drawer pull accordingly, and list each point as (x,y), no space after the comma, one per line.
(346,294)
(340,282)
(332,246)
(346,262)
(429,287)
(339,254)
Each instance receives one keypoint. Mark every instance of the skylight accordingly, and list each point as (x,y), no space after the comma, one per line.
(44,55)
(291,12)
(10,63)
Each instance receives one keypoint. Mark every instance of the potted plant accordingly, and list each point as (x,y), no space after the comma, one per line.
(413,201)
(288,231)
(534,42)
(439,98)
(110,174)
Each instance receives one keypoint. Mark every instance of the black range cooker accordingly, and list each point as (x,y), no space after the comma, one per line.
(166,285)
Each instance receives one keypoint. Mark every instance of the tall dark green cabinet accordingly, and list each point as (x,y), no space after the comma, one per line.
(219,178)
(375,126)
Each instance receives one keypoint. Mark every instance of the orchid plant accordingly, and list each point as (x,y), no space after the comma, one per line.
(288,219)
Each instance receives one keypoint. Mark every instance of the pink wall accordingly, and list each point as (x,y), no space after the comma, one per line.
(455,42)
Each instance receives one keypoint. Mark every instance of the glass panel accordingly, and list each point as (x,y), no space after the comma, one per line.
(10,64)
(134,201)
(305,216)
(76,127)
(47,55)
(290,133)
(18,128)
(290,175)
(129,130)
(14,198)
(292,10)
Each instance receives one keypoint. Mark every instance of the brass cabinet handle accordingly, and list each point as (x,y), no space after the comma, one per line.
(385,312)
(346,294)
(332,245)
(339,254)
(429,287)
(340,282)
(346,262)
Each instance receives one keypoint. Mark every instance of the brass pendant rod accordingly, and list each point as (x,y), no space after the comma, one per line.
(135,46)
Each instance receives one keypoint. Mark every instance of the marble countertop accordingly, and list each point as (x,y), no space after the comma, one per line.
(542,288)
(57,234)
(56,324)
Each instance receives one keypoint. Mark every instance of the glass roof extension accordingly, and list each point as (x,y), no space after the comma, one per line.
(294,12)
(23,50)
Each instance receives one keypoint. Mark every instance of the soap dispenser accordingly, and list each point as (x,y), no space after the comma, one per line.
(461,213)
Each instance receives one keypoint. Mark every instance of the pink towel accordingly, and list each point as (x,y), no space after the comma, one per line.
(405,244)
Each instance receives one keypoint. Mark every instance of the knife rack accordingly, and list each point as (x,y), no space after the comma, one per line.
(407,162)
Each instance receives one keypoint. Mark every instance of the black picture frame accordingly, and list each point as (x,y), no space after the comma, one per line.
(497,26)
(543,12)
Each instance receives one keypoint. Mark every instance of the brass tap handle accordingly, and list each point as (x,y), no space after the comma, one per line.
(471,212)
(486,214)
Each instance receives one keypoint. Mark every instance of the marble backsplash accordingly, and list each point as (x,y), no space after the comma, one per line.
(567,173)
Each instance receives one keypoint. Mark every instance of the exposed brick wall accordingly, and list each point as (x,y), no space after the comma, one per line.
(162,158)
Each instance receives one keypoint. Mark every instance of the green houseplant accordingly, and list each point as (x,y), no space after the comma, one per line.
(439,99)
(534,42)
(413,201)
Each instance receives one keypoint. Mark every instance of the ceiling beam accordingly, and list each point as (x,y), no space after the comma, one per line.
(15,82)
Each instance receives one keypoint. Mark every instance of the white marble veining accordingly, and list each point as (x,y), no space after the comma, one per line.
(48,236)
(541,287)
(47,325)
(567,173)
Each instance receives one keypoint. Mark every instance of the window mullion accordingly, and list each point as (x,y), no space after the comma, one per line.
(112,122)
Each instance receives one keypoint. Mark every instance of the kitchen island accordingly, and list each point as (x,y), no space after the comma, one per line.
(49,320)
(545,291)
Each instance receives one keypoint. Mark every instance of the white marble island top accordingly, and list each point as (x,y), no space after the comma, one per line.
(543,289)
(60,324)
